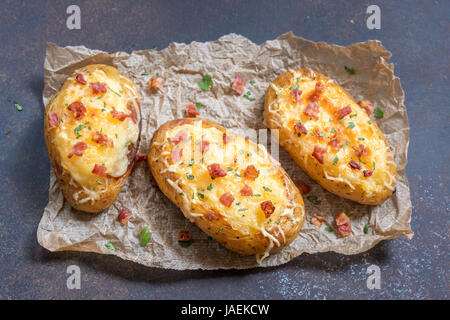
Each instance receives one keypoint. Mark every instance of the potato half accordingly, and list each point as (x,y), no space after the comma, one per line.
(227,185)
(330,136)
(92,131)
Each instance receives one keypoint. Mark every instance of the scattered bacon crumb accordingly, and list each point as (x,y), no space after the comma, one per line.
(124,216)
(80,79)
(140,157)
(354,165)
(299,128)
(317,220)
(343,224)
(133,114)
(179,137)
(238,85)
(367,105)
(102,139)
(53,120)
(335,143)
(251,172)
(118,115)
(303,187)
(99,170)
(367,173)
(246,191)
(320,88)
(204,146)
(227,138)
(176,154)
(191,110)
(341,113)
(155,82)
(312,109)
(361,150)
(319,153)
(184,236)
(268,208)
(77,149)
(296,95)
(226,199)
(98,87)
(215,171)
(78,109)
(211,216)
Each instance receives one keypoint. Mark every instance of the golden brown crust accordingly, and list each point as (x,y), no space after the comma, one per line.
(306,161)
(214,223)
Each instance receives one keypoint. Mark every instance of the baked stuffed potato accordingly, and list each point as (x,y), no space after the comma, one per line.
(230,187)
(330,136)
(92,132)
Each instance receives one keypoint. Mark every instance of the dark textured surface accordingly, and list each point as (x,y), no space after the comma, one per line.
(416,32)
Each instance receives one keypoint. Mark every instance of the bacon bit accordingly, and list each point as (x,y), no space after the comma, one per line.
(314,97)
(343,224)
(155,82)
(335,143)
(179,137)
(210,216)
(251,172)
(317,220)
(184,236)
(226,199)
(176,153)
(311,110)
(303,187)
(320,88)
(118,115)
(354,165)
(238,85)
(367,173)
(227,138)
(204,146)
(191,110)
(215,171)
(80,79)
(78,109)
(124,216)
(361,150)
(102,139)
(77,149)
(53,120)
(133,114)
(341,113)
(99,170)
(98,87)
(319,153)
(268,208)
(140,157)
(246,191)
(367,105)
(296,95)
(299,128)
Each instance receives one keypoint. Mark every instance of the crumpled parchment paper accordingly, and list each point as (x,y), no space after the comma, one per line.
(182,66)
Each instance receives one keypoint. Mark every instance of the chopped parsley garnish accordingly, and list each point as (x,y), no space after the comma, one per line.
(252,81)
(369,122)
(98,181)
(110,246)
(238,175)
(181,194)
(243,209)
(190,176)
(77,130)
(209,187)
(297,85)
(18,106)
(114,91)
(201,196)
(191,163)
(313,199)
(247,96)
(229,169)
(349,70)
(321,134)
(99,97)
(145,73)
(378,113)
(238,203)
(205,83)
(267,189)
(185,244)
(220,230)
(313,133)
(144,236)
(353,115)
(335,161)
(257,195)
(329,229)
(115,135)
(333,131)
(342,120)
(361,139)
(127,144)
(366,228)
(373,165)
(351,125)
(199,105)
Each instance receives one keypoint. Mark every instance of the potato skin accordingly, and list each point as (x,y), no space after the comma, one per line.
(109,189)
(385,167)
(220,229)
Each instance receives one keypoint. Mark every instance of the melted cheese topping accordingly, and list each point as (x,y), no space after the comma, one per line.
(354,129)
(201,191)
(120,93)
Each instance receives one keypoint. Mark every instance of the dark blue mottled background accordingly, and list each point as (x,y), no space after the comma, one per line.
(416,32)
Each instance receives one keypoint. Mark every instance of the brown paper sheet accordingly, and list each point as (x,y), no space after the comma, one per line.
(182,65)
